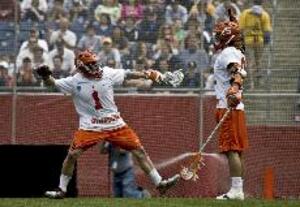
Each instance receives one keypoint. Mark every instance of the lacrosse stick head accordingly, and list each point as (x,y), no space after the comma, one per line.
(173,78)
(190,171)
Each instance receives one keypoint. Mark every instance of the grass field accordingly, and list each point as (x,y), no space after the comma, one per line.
(153,202)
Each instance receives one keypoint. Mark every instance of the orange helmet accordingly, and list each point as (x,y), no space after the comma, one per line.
(86,63)
(227,32)
(87,57)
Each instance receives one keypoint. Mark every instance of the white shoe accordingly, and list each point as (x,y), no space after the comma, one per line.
(232,195)
(55,194)
(166,184)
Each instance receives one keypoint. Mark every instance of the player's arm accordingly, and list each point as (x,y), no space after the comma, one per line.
(142,79)
(65,85)
(238,74)
(45,73)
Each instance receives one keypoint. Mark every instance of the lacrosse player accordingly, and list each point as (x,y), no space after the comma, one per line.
(229,73)
(99,119)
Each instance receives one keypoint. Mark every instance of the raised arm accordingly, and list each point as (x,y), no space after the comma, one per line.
(173,79)
(142,79)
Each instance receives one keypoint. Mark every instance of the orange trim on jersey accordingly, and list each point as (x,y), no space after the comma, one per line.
(233,132)
(123,137)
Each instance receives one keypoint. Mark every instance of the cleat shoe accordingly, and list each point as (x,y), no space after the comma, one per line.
(232,195)
(166,184)
(55,194)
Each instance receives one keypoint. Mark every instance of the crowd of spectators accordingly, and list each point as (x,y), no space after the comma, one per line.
(133,34)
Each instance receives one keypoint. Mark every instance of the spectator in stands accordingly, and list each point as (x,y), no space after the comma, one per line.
(34,34)
(33,51)
(103,25)
(122,166)
(162,65)
(159,8)
(34,10)
(132,8)
(40,57)
(222,10)
(167,36)
(69,4)
(176,11)
(111,63)
(149,27)
(109,52)
(256,26)
(205,38)
(179,32)
(165,52)
(141,64)
(25,76)
(58,71)
(139,51)
(7,10)
(209,80)
(130,30)
(27,51)
(192,76)
(142,50)
(120,41)
(56,12)
(128,60)
(64,34)
(192,53)
(90,40)
(5,79)
(66,54)
(204,13)
(110,7)
(79,12)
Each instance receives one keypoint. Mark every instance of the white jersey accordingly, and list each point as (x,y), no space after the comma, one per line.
(94,99)
(222,74)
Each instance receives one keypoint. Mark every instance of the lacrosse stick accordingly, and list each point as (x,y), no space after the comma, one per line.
(173,78)
(196,162)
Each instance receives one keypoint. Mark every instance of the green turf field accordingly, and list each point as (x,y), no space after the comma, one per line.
(153,202)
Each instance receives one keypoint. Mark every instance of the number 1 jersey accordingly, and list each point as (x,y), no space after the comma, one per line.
(94,99)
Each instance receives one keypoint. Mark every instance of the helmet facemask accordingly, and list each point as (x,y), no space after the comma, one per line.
(87,64)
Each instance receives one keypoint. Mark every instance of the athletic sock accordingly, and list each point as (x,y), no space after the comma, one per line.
(237,184)
(155,177)
(63,182)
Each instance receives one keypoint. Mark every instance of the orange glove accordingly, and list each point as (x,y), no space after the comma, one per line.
(153,75)
(233,96)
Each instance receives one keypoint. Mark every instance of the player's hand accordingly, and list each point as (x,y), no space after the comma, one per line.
(233,97)
(153,75)
(43,71)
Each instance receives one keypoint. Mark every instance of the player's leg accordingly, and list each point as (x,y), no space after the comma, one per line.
(81,142)
(236,171)
(66,174)
(127,139)
(148,167)
(232,143)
